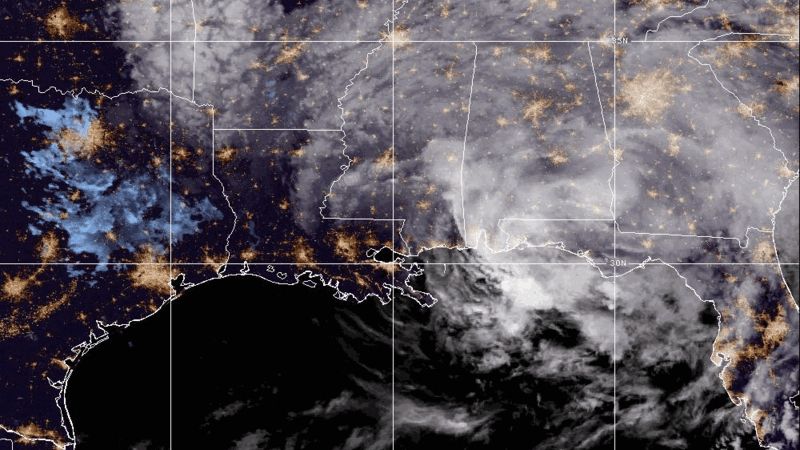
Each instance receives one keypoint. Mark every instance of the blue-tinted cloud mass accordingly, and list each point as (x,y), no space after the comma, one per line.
(116,210)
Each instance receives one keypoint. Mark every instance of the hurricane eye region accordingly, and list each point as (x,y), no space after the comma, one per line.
(468,224)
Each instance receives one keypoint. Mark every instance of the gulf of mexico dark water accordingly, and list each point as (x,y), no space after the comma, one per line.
(118,392)
(254,365)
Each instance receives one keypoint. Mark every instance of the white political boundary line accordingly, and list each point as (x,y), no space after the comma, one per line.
(722,85)
(599,97)
(310,130)
(502,220)
(29,439)
(76,93)
(340,104)
(464,148)
(194,46)
(742,244)
(615,163)
(658,25)
(611,184)
(224,193)
(482,233)
(773,217)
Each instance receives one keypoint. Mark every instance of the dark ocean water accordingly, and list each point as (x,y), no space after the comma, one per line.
(254,365)
(118,394)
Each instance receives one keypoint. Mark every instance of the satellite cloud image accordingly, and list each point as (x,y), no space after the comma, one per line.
(399,224)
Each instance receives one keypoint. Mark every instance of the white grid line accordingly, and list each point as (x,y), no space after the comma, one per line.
(393,19)
(614,214)
(364,219)
(313,41)
(533,219)
(376,263)
(169,304)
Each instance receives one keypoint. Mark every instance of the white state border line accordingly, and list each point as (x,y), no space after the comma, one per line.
(464,148)
(224,193)
(340,105)
(76,93)
(774,215)
(310,130)
(194,45)
(22,437)
(615,163)
(658,25)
